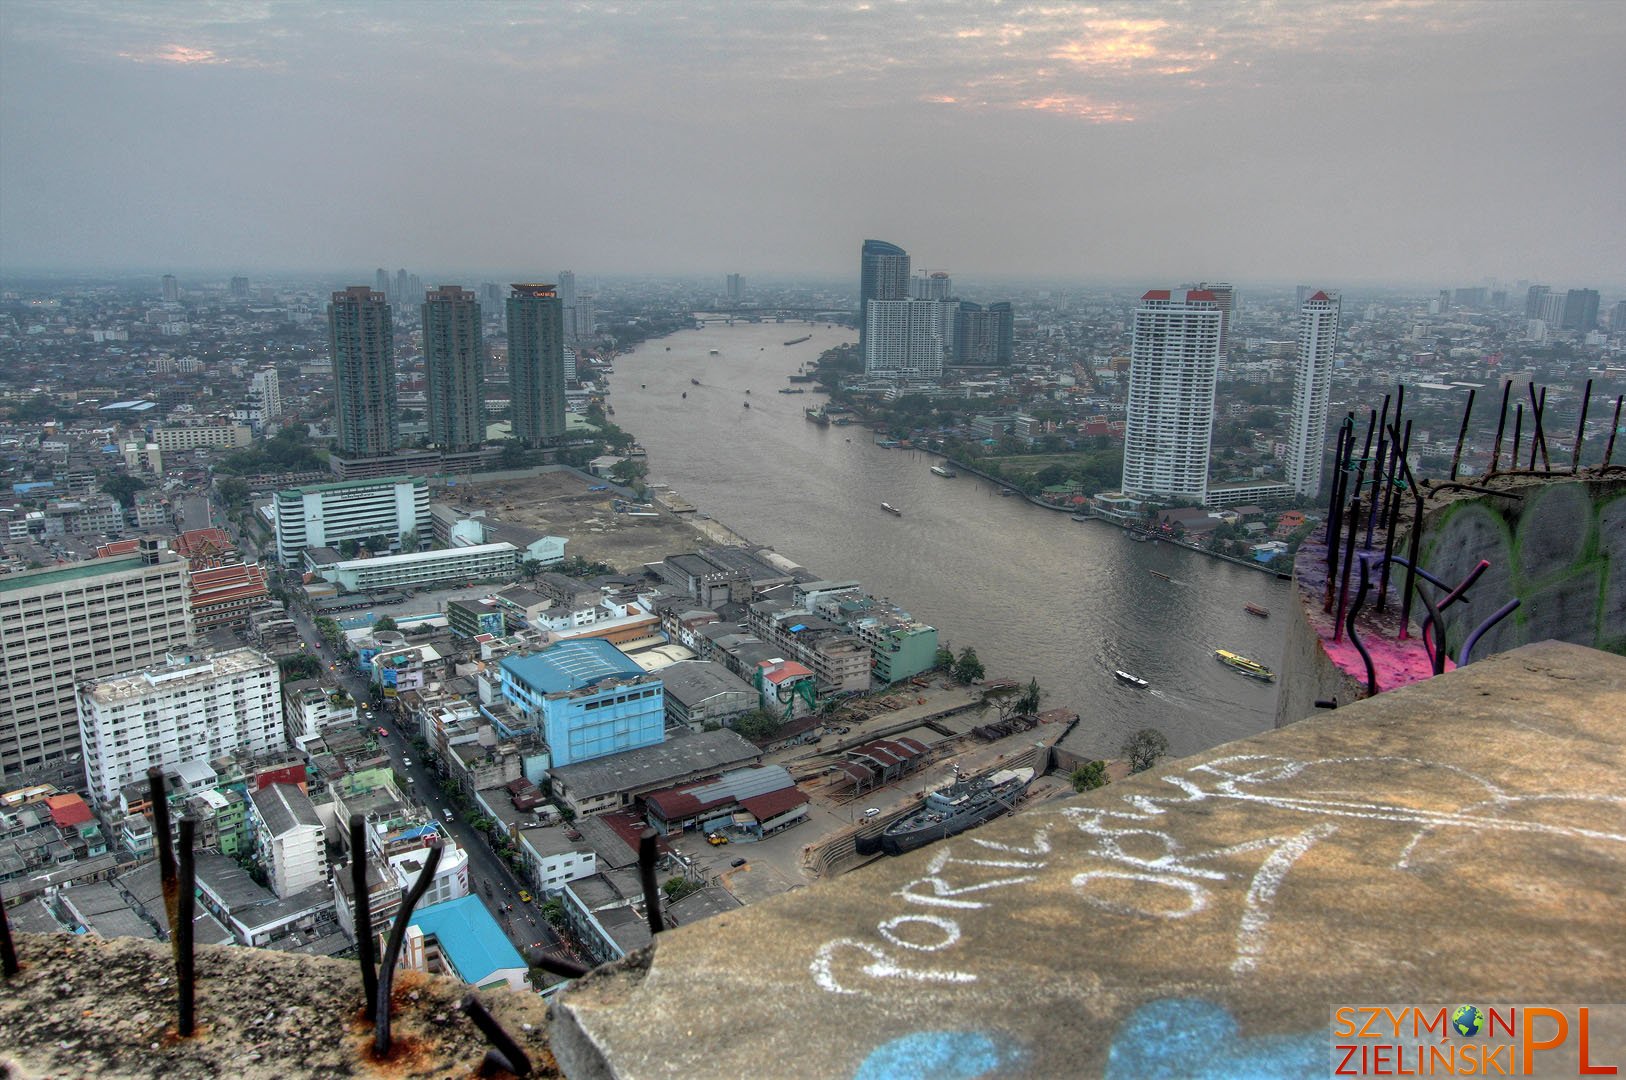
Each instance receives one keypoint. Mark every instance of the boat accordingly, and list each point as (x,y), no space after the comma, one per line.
(1006,493)
(685,393)
(889,508)
(714,352)
(1125,677)
(951,810)
(943,470)
(798,341)
(1255,609)
(816,414)
(1160,576)
(694,382)
(800,378)
(791,390)
(1253,669)
(747,404)
(748,393)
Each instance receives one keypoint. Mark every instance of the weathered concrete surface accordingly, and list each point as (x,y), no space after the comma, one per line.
(1462,839)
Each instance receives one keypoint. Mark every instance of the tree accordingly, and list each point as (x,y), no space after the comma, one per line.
(968,669)
(944,658)
(233,491)
(676,888)
(123,487)
(303,666)
(758,725)
(1144,749)
(531,568)
(327,628)
(409,541)
(629,470)
(384,625)
(554,912)
(1090,775)
(1028,703)
(348,549)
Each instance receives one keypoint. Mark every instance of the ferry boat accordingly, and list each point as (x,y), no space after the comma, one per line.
(1253,669)
(1125,677)
(889,508)
(791,390)
(951,810)
(1255,609)
(943,470)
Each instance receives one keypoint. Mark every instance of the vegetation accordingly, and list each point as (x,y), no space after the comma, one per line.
(1028,703)
(531,568)
(289,450)
(554,912)
(1090,775)
(123,487)
(944,658)
(758,725)
(1144,749)
(384,625)
(629,470)
(233,491)
(328,629)
(303,666)
(578,567)
(968,669)
(676,888)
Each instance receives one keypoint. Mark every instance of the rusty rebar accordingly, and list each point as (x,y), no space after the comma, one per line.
(157,795)
(186,971)
(1354,637)
(508,1055)
(1538,440)
(8,948)
(558,965)
(392,952)
(1413,545)
(1393,522)
(1580,430)
(646,874)
(1518,428)
(1337,472)
(1462,433)
(363,915)
(1614,429)
(1349,558)
(1501,423)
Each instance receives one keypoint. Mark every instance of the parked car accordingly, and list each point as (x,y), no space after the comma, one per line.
(716,839)
(446,813)
(874,811)
(737,862)
(524,897)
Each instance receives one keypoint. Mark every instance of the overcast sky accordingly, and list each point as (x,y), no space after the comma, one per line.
(1405,142)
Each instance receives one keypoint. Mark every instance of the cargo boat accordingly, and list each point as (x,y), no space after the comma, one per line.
(943,470)
(1253,669)
(1255,609)
(950,810)
(798,341)
(1125,677)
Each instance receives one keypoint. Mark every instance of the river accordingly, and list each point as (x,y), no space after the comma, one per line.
(1036,594)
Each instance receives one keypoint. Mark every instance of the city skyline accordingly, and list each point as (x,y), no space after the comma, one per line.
(1358,143)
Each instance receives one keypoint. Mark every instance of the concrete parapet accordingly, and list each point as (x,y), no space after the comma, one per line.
(1461,839)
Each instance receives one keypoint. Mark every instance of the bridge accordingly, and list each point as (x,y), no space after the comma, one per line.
(775,314)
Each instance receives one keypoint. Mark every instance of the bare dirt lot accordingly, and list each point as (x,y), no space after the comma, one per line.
(559,503)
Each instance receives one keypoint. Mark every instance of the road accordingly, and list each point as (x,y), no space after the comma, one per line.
(489,877)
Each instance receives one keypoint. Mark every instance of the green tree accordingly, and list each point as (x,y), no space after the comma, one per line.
(233,491)
(303,666)
(531,568)
(676,888)
(1144,749)
(1028,703)
(1090,775)
(123,487)
(629,470)
(968,669)
(348,548)
(554,912)
(409,541)
(758,725)
(944,658)
(384,625)
(327,628)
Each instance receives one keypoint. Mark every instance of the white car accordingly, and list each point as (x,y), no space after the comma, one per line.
(446,813)
(874,811)
(406,763)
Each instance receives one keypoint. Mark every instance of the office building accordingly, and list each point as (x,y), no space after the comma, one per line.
(591,699)
(361,337)
(266,395)
(60,626)
(567,300)
(454,359)
(1312,392)
(1225,293)
(1170,421)
(736,287)
(381,281)
(1617,317)
(584,318)
(907,339)
(239,288)
(172,289)
(936,285)
(883,274)
(1580,310)
(184,709)
(984,336)
(1535,299)
(325,515)
(536,364)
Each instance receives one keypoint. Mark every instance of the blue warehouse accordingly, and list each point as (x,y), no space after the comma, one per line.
(592,700)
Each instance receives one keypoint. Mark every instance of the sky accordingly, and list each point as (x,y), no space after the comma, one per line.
(1430,143)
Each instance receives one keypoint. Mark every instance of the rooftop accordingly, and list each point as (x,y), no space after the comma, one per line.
(470,937)
(60,575)
(678,757)
(572,665)
(283,807)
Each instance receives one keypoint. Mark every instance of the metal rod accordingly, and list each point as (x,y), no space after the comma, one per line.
(1461,591)
(8,948)
(1518,426)
(555,965)
(1355,638)
(1614,428)
(1496,451)
(1437,652)
(1393,522)
(1379,468)
(392,953)
(363,915)
(1335,517)
(1413,543)
(514,1058)
(1541,431)
(646,874)
(1535,425)
(1462,433)
(186,971)
(1337,472)
(166,847)
(1349,558)
(1580,429)
(1473,639)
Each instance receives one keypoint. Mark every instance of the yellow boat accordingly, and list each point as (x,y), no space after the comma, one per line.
(1253,669)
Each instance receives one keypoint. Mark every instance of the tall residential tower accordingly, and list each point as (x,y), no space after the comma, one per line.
(454,358)
(1170,422)
(362,339)
(536,364)
(883,274)
(1312,391)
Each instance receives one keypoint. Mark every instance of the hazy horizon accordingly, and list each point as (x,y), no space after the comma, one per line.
(1361,144)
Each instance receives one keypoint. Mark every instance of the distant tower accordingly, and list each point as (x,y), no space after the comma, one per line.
(907,339)
(883,274)
(536,363)
(567,298)
(736,287)
(1225,293)
(1312,392)
(361,336)
(454,357)
(239,288)
(381,281)
(983,337)
(172,289)
(402,291)
(1170,423)
(936,285)
(265,389)
(1535,299)
(1580,310)
(585,318)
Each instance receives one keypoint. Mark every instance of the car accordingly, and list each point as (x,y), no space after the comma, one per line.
(446,813)
(406,763)
(737,862)
(383,733)
(716,839)
(874,811)
(524,897)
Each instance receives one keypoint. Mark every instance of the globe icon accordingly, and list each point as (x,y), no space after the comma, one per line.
(1467,1019)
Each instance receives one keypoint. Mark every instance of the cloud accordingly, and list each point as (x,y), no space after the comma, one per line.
(176,54)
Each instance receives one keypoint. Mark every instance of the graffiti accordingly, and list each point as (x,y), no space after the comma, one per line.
(1189,1039)
(940,1055)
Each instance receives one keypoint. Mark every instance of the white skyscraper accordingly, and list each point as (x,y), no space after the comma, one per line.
(263,387)
(907,339)
(1171,395)
(1312,388)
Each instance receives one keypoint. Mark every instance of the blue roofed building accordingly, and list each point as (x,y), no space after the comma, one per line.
(591,698)
(461,939)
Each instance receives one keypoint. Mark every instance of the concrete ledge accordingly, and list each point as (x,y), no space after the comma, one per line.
(1461,839)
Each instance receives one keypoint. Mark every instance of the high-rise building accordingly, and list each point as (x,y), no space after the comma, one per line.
(1535,299)
(381,281)
(1617,317)
(172,289)
(585,318)
(736,287)
(536,363)
(266,393)
(361,336)
(183,709)
(983,336)
(567,300)
(883,274)
(1580,310)
(936,285)
(1225,293)
(326,515)
(401,294)
(239,288)
(1312,392)
(1174,359)
(907,339)
(62,625)
(454,359)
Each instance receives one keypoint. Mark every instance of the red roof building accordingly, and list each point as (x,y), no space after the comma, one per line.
(224,595)
(68,811)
